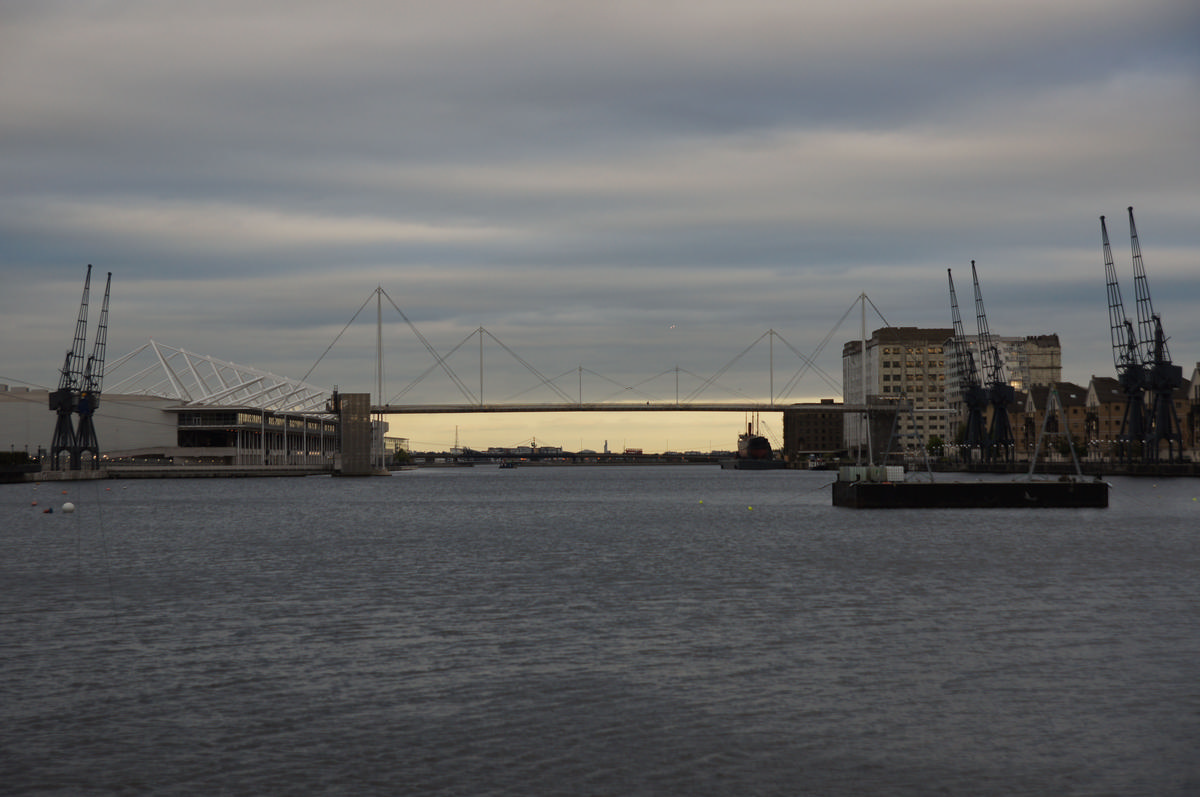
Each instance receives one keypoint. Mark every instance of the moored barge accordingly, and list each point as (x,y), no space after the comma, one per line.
(886,488)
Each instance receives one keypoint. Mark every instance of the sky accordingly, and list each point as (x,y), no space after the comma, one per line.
(621,191)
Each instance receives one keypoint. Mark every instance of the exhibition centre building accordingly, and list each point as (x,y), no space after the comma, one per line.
(163,405)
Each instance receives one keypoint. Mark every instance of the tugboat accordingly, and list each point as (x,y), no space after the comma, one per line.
(753,453)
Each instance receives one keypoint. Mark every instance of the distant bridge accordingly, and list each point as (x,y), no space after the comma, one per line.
(649,406)
(202,381)
(573,402)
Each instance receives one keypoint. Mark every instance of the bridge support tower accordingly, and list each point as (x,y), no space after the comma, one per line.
(356,434)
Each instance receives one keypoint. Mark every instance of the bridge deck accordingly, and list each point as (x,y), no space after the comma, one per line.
(440,409)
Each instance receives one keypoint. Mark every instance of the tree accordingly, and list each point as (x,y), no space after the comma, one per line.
(1064,444)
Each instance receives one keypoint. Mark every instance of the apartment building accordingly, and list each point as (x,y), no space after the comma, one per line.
(904,366)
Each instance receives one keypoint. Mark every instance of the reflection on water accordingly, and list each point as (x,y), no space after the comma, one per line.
(655,630)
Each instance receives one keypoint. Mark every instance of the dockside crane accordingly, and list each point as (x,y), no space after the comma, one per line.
(1127,359)
(1162,377)
(65,400)
(93,378)
(1000,394)
(973,395)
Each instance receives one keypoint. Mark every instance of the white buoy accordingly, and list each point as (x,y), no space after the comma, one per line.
(68,507)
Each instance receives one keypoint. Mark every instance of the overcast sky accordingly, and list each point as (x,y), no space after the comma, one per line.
(622,187)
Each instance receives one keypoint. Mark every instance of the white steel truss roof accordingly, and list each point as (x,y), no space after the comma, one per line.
(197,380)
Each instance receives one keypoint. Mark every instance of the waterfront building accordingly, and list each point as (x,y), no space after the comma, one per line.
(1191,427)
(1034,411)
(152,430)
(812,431)
(1105,414)
(173,407)
(903,366)
(916,370)
(1106,411)
(1029,361)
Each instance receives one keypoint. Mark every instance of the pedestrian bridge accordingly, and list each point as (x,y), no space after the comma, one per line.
(203,381)
(649,406)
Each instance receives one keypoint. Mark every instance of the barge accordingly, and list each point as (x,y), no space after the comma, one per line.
(886,488)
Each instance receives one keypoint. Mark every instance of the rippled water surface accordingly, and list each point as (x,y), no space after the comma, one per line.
(592,631)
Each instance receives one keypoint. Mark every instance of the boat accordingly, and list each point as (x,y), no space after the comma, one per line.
(753,453)
(885,487)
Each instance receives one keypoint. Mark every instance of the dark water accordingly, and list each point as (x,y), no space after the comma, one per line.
(593,631)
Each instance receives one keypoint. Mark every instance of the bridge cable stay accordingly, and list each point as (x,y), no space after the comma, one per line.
(429,347)
(442,360)
(433,367)
(438,359)
(481,331)
(623,387)
(677,370)
(710,380)
(1162,376)
(337,337)
(706,382)
(825,342)
(529,367)
(690,373)
(867,299)
(531,388)
(577,371)
(809,365)
(634,386)
(666,372)
(735,392)
(1131,376)
(999,392)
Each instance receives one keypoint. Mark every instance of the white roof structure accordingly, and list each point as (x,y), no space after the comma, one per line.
(197,380)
